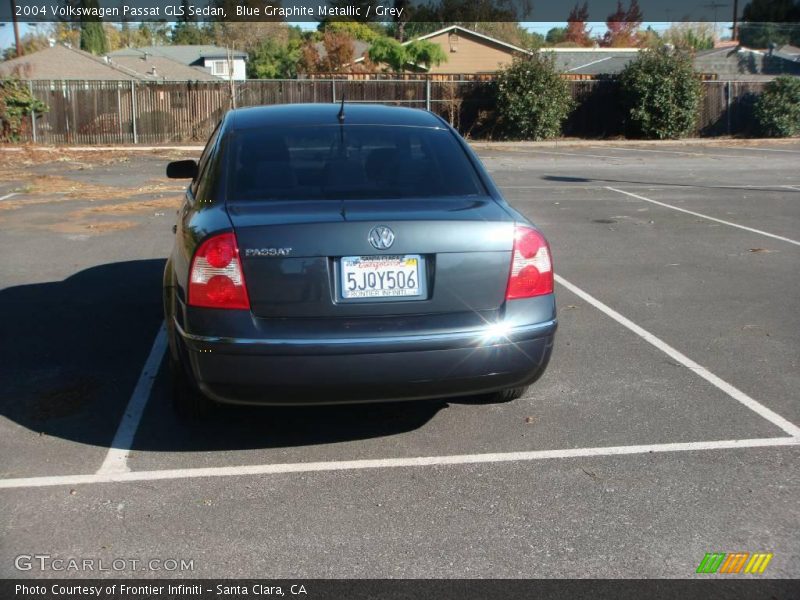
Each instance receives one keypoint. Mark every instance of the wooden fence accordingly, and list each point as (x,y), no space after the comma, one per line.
(125,112)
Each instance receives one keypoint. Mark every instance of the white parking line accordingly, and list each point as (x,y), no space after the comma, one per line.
(386,463)
(735,393)
(116,460)
(7,196)
(697,214)
(648,186)
(115,469)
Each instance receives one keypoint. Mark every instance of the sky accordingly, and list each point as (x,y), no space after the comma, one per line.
(598,27)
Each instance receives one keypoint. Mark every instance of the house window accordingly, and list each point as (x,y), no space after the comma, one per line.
(219,67)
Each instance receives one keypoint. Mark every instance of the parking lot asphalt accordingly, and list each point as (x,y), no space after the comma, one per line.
(665,427)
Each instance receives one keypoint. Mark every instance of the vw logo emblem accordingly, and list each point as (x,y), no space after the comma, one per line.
(381,237)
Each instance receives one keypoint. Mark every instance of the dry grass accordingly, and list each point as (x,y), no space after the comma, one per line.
(51,189)
(171,202)
(95,227)
(37,189)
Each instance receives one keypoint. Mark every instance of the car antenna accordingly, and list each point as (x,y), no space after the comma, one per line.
(340,116)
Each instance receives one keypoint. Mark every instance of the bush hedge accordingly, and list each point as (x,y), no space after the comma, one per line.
(16,105)
(661,94)
(777,110)
(533,100)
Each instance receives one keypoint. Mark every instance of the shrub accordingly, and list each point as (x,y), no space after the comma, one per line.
(660,94)
(532,99)
(777,110)
(16,105)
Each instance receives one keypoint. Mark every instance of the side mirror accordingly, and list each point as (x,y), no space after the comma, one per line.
(182,169)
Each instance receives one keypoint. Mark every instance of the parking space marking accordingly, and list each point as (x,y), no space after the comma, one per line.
(387,463)
(7,196)
(115,468)
(710,218)
(116,460)
(735,393)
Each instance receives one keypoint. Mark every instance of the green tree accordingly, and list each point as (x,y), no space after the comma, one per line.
(532,99)
(396,56)
(424,53)
(777,110)
(389,52)
(93,36)
(16,105)
(690,36)
(366,32)
(187,32)
(556,35)
(154,33)
(272,60)
(661,94)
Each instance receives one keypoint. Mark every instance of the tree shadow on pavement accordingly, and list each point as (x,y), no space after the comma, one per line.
(567,179)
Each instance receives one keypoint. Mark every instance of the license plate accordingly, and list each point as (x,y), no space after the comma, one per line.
(382,276)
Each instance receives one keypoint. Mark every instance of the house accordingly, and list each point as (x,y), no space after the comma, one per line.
(476,55)
(63,63)
(747,64)
(148,67)
(214,60)
(468,52)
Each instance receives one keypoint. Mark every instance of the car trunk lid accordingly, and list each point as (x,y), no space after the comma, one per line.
(291,253)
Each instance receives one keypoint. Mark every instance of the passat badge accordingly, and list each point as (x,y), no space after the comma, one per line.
(381,237)
(267,251)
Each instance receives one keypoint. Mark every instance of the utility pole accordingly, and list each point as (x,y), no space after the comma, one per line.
(735,28)
(20,49)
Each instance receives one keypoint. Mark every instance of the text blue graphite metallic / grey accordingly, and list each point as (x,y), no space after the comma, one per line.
(354,253)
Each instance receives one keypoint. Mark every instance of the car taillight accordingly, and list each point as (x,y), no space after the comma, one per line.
(531,267)
(216,279)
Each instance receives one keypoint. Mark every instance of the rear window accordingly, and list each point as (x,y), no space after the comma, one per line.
(348,162)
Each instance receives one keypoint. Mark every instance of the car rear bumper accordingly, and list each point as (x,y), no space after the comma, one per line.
(368,369)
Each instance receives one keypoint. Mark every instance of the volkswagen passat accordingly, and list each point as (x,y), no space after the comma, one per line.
(350,253)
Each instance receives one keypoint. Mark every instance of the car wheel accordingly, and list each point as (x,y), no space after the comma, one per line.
(509,394)
(187,400)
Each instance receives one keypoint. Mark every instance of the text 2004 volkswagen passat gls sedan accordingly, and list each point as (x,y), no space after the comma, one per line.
(328,254)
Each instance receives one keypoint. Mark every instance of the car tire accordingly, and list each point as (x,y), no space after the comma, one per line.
(187,401)
(509,394)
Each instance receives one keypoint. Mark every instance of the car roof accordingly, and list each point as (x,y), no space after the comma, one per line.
(327,114)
